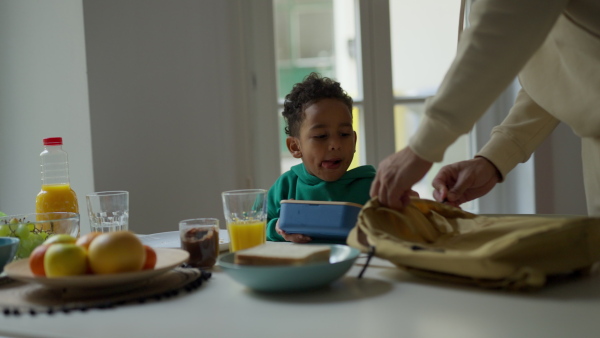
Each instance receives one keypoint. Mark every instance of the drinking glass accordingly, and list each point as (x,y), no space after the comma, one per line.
(246,217)
(108,210)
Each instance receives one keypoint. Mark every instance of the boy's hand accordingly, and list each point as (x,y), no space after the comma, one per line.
(296,238)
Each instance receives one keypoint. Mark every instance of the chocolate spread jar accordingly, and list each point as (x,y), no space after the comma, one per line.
(202,243)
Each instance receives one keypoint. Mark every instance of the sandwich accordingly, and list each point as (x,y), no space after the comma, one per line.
(274,253)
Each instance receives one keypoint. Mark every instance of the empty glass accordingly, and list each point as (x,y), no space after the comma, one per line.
(108,210)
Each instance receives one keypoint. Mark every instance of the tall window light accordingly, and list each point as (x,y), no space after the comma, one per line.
(323,36)
(316,36)
(424,36)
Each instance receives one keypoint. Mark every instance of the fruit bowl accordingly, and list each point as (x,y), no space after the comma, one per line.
(32,229)
(8,248)
(166,259)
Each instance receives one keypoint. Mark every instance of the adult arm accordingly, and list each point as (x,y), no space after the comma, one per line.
(512,142)
(502,36)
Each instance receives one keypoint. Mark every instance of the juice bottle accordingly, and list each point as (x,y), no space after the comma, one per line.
(56,194)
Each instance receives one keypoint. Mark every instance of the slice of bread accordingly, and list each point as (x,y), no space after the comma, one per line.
(273,253)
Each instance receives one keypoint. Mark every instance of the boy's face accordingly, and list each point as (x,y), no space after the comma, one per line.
(327,141)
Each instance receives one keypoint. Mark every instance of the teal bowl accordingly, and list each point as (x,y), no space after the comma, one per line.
(284,278)
(8,249)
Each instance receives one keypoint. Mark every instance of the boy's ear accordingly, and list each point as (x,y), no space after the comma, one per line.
(293,145)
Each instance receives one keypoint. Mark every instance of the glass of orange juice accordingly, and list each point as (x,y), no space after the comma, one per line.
(246,217)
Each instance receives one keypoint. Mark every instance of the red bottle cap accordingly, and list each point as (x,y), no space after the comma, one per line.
(53,141)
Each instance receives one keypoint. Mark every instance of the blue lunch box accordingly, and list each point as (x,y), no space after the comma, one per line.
(319,219)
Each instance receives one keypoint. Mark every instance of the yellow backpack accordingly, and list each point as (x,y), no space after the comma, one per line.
(431,239)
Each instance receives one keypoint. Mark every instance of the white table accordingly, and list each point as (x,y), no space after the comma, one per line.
(387,302)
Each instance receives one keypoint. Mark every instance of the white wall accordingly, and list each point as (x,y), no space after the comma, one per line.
(43,93)
(174,118)
(170,107)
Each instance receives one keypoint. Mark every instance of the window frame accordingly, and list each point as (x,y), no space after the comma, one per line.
(516,196)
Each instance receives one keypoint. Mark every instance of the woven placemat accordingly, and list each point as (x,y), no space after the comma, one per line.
(18,298)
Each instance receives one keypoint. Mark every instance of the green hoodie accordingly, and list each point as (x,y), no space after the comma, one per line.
(298,184)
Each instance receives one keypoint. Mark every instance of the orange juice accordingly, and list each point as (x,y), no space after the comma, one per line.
(244,235)
(55,198)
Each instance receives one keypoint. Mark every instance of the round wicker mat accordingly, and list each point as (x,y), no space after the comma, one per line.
(18,298)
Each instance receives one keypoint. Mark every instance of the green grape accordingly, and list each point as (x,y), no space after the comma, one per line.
(4,230)
(29,246)
(36,239)
(26,243)
(22,231)
(25,248)
(33,238)
(20,252)
(13,225)
(31,227)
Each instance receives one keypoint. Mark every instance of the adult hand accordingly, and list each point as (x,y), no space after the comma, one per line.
(396,175)
(296,238)
(464,181)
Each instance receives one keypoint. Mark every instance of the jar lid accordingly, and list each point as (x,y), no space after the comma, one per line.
(53,141)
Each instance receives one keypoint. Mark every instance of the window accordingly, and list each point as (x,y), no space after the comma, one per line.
(323,35)
(316,36)
(423,37)
(364,60)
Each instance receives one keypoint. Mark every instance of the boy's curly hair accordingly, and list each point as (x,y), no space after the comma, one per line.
(312,89)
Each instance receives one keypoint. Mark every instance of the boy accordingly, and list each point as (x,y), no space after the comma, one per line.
(318,115)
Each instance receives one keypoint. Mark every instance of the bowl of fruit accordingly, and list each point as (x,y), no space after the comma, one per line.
(94,260)
(33,229)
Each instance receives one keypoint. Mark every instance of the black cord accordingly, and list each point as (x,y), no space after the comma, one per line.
(369,256)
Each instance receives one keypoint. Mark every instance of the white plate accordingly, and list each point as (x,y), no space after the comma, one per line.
(170,239)
(166,259)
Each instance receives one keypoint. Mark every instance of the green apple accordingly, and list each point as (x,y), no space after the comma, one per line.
(60,238)
(65,259)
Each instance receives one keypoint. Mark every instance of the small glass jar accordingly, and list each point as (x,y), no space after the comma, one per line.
(200,237)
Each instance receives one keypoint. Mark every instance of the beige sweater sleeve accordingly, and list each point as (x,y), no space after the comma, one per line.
(502,36)
(524,129)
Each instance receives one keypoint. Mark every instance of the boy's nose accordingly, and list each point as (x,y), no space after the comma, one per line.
(335,144)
